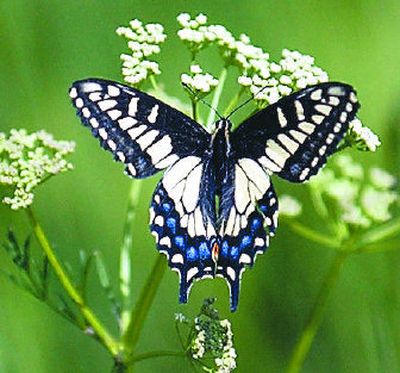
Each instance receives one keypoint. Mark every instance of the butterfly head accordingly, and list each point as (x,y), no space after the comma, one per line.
(224,125)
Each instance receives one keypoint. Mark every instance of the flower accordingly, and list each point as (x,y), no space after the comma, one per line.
(270,81)
(199,82)
(27,160)
(289,206)
(210,338)
(359,200)
(362,137)
(143,41)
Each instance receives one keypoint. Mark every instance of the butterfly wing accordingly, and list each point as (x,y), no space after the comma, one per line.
(141,131)
(294,136)
(248,217)
(291,138)
(148,136)
(182,218)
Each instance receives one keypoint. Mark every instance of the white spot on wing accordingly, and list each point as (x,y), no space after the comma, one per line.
(153,114)
(316,95)
(73,93)
(244,259)
(132,107)
(191,273)
(281,117)
(269,165)
(317,118)
(136,131)
(106,104)
(114,114)
(299,110)
(324,109)
(191,194)
(126,123)
(113,91)
(103,133)
(90,87)
(86,112)
(299,136)
(288,143)
(231,273)
(336,91)
(307,127)
(166,162)
(166,241)
(132,169)
(147,139)
(160,149)
(242,197)
(276,153)
(177,258)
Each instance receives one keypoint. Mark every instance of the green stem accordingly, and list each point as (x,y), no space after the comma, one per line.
(381,232)
(126,252)
(103,335)
(194,109)
(153,354)
(217,96)
(139,313)
(153,82)
(312,235)
(307,336)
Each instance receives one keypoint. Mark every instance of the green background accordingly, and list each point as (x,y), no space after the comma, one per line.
(45,45)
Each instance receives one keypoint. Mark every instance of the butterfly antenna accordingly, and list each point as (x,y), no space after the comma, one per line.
(246,102)
(194,94)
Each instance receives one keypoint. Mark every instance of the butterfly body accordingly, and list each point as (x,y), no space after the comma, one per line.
(215,208)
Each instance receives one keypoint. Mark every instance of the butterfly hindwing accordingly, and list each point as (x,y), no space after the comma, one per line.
(248,216)
(182,220)
(293,137)
(141,131)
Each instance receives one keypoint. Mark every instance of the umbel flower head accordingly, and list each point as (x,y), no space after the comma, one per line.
(27,160)
(360,197)
(143,41)
(210,339)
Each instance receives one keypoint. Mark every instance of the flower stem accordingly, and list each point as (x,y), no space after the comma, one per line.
(139,313)
(125,255)
(307,336)
(314,236)
(217,96)
(153,354)
(103,335)
(194,109)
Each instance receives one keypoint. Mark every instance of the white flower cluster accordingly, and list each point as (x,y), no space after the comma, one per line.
(26,160)
(362,137)
(361,200)
(198,35)
(143,41)
(214,337)
(227,362)
(198,81)
(289,206)
(269,81)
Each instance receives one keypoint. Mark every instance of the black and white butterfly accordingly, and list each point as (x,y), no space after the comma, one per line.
(215,207)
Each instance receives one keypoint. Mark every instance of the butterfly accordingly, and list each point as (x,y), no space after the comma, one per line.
(215,207)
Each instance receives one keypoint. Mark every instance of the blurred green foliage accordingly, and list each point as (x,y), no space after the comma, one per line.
(45,45)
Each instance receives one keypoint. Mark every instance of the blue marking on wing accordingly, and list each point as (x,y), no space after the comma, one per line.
(190,256)
(238,252)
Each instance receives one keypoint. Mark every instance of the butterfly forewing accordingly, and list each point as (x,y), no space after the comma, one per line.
(141,131)
(293,137)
